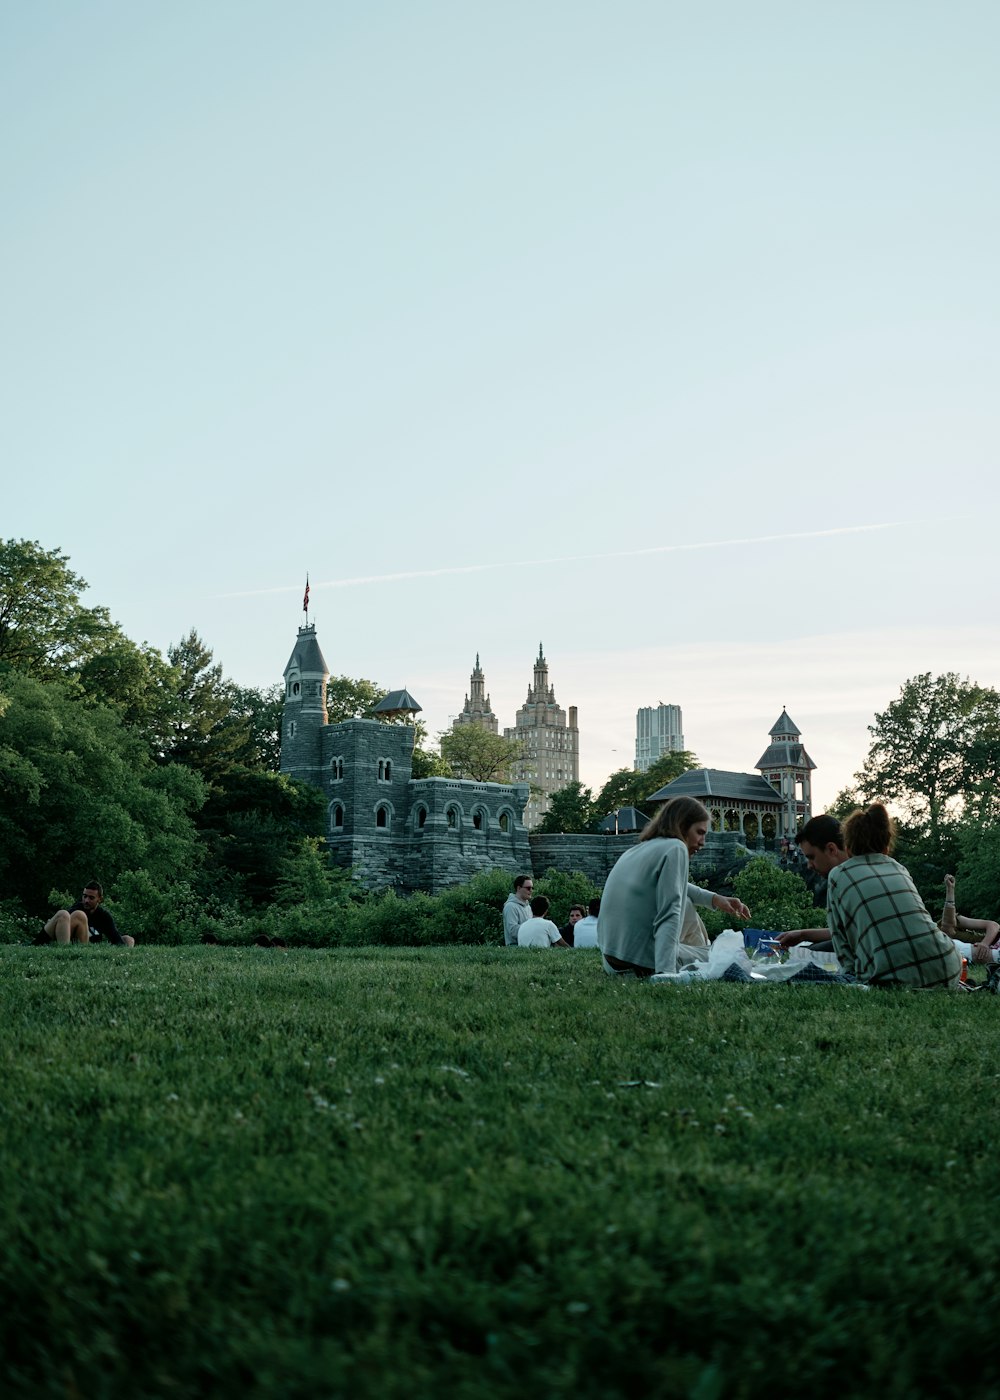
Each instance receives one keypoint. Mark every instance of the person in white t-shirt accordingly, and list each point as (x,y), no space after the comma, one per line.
(538,931)
(585,933)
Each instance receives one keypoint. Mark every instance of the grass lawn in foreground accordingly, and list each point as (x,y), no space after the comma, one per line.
(468,1172)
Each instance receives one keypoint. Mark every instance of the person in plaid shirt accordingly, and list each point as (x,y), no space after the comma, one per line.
(881,931)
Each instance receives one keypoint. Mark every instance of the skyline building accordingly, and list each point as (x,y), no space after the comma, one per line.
(550,739)
(477,709)
(657,732)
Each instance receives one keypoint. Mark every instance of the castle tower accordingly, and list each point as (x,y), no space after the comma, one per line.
(477,709)
(304,716)
(550,743)
(788,768)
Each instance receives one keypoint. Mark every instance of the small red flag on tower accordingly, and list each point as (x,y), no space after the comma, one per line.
(305,599)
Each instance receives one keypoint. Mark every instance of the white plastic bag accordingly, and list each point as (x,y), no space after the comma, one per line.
(727,948)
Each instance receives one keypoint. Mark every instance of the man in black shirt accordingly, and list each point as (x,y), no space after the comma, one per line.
(87,922)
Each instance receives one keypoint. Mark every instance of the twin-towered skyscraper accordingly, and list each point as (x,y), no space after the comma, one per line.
(549,736)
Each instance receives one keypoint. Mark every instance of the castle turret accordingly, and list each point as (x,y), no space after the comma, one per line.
(788,768)
(304,715)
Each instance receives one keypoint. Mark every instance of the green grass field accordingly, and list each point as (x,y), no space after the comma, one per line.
(462,1172)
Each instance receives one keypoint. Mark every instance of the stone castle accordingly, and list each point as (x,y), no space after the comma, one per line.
(407,833)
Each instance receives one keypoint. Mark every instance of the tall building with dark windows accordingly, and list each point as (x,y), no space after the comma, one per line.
(657,732)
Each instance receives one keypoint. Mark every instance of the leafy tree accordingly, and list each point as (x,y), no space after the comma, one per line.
(137,682)
(253,825)
(571,809)
(428,764)
(347,698)
(44,628)
(259,709)
(81,797)
(206,732)
(621,789)
(476,753)
(931,748)
(778,899)
(978,887)
(628,788)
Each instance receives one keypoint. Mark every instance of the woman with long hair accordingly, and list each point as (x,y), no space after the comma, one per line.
(644,900)
(881,931)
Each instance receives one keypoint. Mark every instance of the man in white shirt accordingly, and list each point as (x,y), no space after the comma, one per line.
(538,931)
(585,933)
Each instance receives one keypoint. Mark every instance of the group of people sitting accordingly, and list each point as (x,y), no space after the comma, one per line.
(647,921)
(526,925)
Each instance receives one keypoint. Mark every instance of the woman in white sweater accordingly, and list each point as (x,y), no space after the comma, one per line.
(643,903)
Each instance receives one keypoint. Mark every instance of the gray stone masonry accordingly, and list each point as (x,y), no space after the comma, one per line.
(594,855)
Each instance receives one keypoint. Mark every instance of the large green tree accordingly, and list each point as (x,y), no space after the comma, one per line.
(476,753)
(81,797)
(571,810)
(45,630)
(350,697)
(628,788)
(208,730)
(933,747)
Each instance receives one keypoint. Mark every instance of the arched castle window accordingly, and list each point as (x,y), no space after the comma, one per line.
(505,821)
(420,818)
(295,688)
(382,815)
(381,770)
(480,819)
(336,817)
(454,819)
(290,729)
(388,770)
(336,768)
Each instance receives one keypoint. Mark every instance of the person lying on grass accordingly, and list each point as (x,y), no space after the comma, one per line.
(983,951)
(87,922)
(646,896)
(881,931)
(538,931)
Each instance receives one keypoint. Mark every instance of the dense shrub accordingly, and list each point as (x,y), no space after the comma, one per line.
(778,899)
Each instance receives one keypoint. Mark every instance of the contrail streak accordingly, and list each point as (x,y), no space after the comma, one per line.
(363,579)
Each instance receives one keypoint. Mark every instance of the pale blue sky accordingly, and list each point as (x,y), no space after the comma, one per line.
(369,289)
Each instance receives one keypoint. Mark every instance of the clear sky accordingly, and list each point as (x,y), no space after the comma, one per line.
(664,334)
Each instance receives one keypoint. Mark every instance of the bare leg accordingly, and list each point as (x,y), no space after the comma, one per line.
(58,926)
(79,927)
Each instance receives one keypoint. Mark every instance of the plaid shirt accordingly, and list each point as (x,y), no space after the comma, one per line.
(880,928)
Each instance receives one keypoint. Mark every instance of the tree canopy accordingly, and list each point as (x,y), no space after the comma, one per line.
(932,748)
(45,630)
(628,788)
(473,752)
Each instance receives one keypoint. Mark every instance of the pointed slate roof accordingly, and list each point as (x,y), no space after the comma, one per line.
(785,756)
(720,785)
(397,702)
(306,654)
(784,725)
